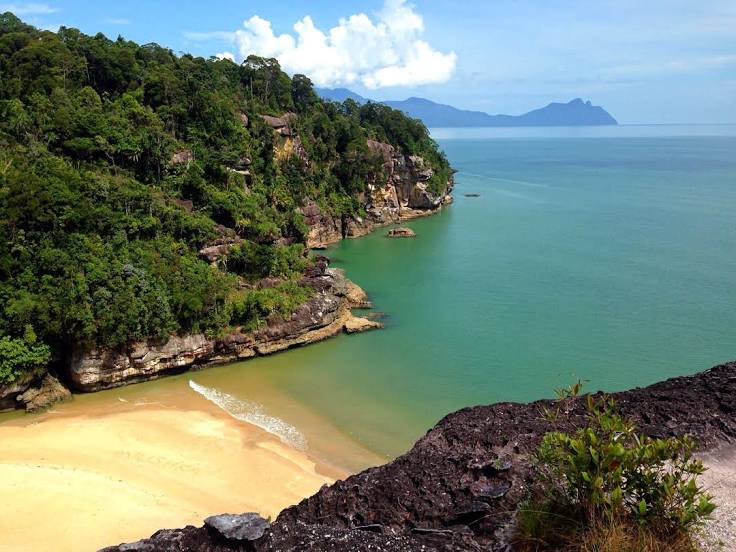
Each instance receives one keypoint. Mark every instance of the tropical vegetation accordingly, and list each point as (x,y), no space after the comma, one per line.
(120,162)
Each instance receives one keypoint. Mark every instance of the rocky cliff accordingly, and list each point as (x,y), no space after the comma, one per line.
(403,194)
(460,485)
(327,313)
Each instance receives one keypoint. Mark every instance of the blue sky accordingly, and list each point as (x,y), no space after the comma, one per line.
(653,61)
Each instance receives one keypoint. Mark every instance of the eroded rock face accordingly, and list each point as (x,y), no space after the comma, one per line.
(10,392)
(460,485)
(33,394)
(324,228)
(49,391)
(328,312)
(219,248)
(403,195)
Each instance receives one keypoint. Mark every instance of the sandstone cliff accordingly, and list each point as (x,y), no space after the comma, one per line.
(327,313)
(403,195)
(460,485)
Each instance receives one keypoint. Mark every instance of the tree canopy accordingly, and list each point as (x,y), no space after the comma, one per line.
(119,162)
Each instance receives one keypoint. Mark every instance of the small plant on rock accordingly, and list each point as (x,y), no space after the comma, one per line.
(605,478)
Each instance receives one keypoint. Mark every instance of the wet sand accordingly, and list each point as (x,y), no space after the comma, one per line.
(81,482)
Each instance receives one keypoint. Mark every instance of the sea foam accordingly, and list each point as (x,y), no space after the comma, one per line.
(252,413)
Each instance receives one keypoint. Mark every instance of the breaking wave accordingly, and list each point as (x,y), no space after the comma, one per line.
(253,413)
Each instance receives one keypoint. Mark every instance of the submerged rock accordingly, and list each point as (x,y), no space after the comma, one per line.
(401,233)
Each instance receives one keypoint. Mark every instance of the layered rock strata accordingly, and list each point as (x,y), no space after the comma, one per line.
(327,313)
(403,195)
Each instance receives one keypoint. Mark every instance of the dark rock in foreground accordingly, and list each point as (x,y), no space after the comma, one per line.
(238,528)
(459,487)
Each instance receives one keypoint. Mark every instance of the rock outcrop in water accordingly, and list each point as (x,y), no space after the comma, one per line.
(404,194)
(401,233)
(326,313)
(460,485)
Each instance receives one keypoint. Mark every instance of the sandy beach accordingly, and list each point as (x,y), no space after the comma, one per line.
(81,482)
(719,533)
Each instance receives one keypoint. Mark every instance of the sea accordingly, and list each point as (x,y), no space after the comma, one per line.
(605,255)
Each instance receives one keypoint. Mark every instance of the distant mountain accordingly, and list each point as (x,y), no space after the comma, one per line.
(339,95)
(574,113)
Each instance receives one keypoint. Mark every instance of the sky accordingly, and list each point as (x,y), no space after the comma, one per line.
(653,61)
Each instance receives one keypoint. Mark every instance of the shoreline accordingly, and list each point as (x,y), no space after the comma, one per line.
(463,482)
(326,315)
(128,470)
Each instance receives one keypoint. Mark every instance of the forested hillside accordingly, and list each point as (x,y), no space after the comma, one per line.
(119,163)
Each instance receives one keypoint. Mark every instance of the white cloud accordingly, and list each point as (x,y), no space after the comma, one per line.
(385,51)
(27,9)
(225,55)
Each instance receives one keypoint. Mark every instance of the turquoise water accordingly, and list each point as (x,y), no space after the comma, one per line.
(607,255)
(606,258)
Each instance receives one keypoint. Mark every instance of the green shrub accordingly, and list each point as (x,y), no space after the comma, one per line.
(606,474)
(21,357)
(255,307)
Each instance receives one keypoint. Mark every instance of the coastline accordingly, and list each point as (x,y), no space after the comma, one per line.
(127,468)
(325,315)
(460,486)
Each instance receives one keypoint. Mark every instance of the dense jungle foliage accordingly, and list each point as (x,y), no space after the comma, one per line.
(119,162)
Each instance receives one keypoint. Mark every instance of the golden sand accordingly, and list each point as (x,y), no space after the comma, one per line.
(81,482)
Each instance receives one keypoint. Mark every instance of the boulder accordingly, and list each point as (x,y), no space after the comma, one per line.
(185,204)
(10,392)
(50,391)
(356,324)
(238,527)
(277,123)
(401,233)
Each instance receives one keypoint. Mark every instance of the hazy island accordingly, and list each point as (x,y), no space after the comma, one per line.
(573,113)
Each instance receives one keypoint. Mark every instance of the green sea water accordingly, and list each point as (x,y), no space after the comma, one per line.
(604,257)
(607,255)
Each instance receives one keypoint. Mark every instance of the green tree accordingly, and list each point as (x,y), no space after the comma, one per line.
(21,356)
